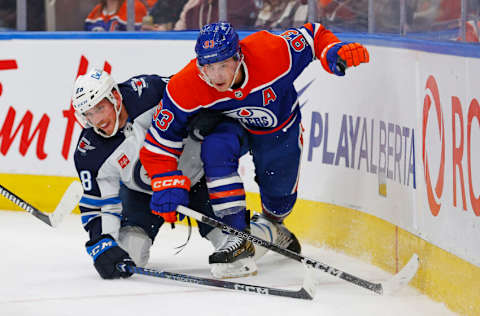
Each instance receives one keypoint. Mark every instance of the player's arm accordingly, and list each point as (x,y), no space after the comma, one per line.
(334,55)
(143,92)
(159,156)
(101,210)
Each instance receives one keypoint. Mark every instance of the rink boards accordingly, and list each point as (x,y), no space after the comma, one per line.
(390,157)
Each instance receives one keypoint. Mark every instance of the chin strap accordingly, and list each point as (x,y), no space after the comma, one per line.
(236,71)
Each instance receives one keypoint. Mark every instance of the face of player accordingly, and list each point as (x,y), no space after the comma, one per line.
(221,74)
(102,116)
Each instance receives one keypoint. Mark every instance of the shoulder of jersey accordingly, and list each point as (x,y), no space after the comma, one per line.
(267,56)
(88,141)
(142,93)
(187,90)
(92,149)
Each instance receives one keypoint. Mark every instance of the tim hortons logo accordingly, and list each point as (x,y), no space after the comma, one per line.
(7,135)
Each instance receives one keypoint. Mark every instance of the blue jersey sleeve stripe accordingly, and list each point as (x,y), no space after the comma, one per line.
(101,202)
(87,218)
(114,214)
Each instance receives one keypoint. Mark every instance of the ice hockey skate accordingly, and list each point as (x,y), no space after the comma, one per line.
(233,259)
(274,232)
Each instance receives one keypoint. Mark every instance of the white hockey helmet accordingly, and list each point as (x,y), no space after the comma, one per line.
(89,90)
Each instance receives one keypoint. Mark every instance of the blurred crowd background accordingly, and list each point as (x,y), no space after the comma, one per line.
(451,20)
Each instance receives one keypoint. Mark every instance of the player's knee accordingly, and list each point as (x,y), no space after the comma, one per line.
(278,207)
(136,243)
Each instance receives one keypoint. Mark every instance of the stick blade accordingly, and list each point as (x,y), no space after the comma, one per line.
(309,282)
(69,201)
(403,277)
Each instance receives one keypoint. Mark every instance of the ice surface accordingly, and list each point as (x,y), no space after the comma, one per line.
(46,271)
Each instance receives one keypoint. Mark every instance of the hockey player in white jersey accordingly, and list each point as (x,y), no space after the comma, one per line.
(115,207)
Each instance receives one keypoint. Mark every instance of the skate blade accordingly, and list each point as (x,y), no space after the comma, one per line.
(241,268)
(238,276)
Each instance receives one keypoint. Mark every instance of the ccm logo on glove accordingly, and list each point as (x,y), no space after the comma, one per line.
(176,181)
(169,191)
(100,247)
(106,255)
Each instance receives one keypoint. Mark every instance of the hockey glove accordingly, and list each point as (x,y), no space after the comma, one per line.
(170,189)
(343,55)
(106,255)
(204,123)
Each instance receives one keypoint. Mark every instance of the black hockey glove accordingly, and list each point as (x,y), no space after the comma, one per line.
(204,123)
(106,255)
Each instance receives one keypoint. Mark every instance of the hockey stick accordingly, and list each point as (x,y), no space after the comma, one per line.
(306,292)
(389,287)
(70,199)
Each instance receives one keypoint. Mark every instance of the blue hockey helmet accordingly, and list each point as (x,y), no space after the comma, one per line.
(216,42)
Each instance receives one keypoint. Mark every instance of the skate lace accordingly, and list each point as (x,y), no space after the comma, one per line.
(232,243)
(283,236)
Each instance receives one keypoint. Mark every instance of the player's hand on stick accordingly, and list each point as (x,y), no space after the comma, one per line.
(342,55)
(169,190)
(106,255)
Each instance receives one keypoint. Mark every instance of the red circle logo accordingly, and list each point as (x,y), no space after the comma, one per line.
(433,195)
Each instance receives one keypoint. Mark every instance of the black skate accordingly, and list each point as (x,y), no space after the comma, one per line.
(233,259)
(287,239)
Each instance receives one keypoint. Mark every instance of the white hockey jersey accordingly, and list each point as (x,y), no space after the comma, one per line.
(103,164)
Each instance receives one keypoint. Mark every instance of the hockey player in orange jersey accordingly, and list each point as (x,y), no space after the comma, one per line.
(250,81)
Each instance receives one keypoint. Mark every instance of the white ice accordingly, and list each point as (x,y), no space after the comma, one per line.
(46,271)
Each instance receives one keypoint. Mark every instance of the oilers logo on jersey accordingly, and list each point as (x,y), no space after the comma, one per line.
(254,116)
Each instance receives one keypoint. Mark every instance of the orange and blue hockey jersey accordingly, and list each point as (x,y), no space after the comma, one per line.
(98,20)
(265,103)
